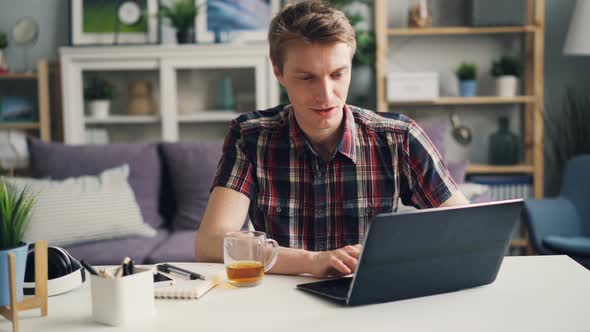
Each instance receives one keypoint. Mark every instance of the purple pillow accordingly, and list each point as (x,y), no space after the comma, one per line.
(58,161)
(192,167)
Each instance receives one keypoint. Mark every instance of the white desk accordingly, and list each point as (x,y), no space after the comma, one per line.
(538,293)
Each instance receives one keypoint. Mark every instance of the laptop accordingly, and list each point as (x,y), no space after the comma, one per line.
(426,252)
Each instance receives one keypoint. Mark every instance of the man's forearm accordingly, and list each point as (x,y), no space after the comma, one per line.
(292,261)
(209,248)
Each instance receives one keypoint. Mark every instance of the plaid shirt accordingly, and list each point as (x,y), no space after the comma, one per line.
(302,201)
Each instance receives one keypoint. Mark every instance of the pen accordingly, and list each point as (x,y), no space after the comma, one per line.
(167,268)
(131,267)
(88,268)
(120,272)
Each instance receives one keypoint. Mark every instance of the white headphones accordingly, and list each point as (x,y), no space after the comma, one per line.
(64,272)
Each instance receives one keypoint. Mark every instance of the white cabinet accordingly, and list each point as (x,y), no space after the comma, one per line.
(184,80)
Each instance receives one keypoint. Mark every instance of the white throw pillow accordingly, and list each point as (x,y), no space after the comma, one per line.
(84,209)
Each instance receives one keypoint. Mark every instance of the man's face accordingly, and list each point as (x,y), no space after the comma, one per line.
(316,77)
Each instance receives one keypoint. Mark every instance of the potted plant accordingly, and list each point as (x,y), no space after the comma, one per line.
(506,72)
(182,17)
(98,94)
(3,44)
(15,215)
(467,74)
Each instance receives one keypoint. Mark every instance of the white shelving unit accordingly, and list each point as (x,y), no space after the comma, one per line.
(167,61)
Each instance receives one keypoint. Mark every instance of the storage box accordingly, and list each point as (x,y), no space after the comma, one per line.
(119,301)
(497,12)
(412,86)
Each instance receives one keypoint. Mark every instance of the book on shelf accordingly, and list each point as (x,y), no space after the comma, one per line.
(506,186)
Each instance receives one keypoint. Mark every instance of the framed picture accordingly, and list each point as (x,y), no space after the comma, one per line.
(18,109)
(244,20)
(111,22)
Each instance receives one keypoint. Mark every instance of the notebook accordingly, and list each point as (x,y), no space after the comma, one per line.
(191,289)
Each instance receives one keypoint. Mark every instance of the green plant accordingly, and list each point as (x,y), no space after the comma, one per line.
(506,66)
(15,214)
(365,48)
(466,71)
(98,88)
(365,40)
(3,41)
(181,14)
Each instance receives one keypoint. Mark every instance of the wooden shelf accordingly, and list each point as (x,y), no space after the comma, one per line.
(494,169)
(18,76)
(122,119)
(459,30)
(32,125)
(483,100)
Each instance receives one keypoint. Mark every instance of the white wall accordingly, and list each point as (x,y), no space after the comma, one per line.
(54,28)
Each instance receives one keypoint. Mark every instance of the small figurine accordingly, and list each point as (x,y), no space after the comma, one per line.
(140,101)
(420,15)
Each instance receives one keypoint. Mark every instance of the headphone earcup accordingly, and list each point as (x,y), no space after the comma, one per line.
(30,267)
(58,264)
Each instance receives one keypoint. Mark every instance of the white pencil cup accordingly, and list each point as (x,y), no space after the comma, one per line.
(119,301)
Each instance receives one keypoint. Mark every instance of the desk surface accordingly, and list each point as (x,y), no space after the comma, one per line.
(535,293)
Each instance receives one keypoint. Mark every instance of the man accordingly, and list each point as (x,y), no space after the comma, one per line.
(312,174)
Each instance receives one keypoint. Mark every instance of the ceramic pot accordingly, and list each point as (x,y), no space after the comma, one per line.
(185,36)
(468,88)
(21,262)
(99,108)
(506,86)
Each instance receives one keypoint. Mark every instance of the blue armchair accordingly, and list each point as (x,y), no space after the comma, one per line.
(561,225)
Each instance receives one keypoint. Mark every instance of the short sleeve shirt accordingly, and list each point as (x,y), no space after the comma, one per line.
(304,202)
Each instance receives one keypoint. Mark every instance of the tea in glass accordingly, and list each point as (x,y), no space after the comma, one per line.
(244,255)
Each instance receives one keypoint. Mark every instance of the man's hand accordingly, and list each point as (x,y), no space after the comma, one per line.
(337,262)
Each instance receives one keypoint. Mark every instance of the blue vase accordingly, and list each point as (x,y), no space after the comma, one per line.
(468,88)
(21,263)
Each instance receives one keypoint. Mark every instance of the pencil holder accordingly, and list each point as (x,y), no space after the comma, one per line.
(118,301)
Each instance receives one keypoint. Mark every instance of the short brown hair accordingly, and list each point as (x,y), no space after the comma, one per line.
(311,21)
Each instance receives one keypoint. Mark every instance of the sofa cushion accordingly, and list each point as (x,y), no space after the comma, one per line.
(192,168)
(178,247)
(59,161)
(112,252)
(83,209)
(569,245)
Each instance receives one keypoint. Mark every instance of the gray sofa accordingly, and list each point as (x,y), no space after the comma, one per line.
(171,182)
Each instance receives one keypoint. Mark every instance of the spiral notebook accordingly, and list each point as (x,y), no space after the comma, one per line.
(192,289)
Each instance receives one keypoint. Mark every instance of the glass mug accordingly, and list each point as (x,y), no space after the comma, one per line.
(244,256)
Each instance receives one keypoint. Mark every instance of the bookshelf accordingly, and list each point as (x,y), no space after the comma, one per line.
(532,100)
(39,81)
(184,80)
(42,77)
